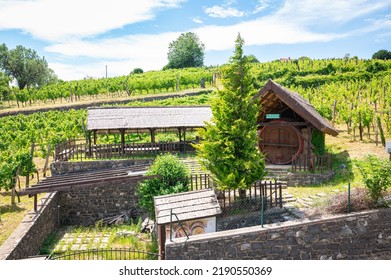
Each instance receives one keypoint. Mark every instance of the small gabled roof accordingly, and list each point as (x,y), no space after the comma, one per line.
(271,95)
(147,117)
(186,206)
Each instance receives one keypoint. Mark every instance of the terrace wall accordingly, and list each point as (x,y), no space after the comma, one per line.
(63,167)
(88,204)
(29,236)
(364,235)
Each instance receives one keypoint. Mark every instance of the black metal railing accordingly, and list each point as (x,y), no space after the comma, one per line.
(237,201)
(104,254)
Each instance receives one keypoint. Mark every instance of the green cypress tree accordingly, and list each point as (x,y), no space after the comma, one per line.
(229,149)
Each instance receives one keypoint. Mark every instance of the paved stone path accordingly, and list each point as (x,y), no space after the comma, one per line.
(72,241)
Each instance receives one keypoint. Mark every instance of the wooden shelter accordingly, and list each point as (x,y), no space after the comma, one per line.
(286,122)
(123,120)
(71,181)
(184,214)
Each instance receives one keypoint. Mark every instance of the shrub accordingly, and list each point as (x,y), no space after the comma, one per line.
(173,178)
(359,200)
(376,176)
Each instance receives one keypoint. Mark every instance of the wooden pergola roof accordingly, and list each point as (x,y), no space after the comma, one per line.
(275,99)
(70,181)
(143,118)
(186,206)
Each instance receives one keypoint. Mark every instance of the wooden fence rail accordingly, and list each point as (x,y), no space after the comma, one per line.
(317,163)
(71,150)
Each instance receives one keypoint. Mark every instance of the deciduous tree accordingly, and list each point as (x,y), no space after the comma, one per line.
(25,66)
(186,51)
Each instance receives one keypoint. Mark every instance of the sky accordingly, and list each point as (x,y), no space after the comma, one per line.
(83,38)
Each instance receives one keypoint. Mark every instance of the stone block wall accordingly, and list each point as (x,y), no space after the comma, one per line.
(308,179)
(364,235)
(88,204)
(29,236)
(63,167)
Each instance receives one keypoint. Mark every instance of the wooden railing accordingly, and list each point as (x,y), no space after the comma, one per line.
(71,150)
(316,163)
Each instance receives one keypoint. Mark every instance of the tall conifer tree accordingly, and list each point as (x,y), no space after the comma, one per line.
(229,149)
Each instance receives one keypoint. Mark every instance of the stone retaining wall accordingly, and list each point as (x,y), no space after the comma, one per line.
(88,204)
(308,179)
(63,167)
(29,236)
(364,235)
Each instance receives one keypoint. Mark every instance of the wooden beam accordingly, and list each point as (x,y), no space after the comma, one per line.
(282,124)
(133,180)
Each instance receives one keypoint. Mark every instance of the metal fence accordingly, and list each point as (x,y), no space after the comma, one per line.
(104,254)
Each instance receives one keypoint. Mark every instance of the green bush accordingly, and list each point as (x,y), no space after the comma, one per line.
(173,178)
(376,176)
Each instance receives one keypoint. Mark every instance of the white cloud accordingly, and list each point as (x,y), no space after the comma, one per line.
(310,12)
(289,25)
(223,12)
(198,20)
(262,5)
(58,20)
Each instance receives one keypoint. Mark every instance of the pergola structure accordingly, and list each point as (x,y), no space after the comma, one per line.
(124,120)
(71,181)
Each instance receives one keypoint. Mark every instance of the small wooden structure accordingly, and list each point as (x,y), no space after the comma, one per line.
(70,181)
(184,214)
(285,124)
(123,120)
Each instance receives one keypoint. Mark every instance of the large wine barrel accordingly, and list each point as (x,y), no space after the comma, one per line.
(280,143)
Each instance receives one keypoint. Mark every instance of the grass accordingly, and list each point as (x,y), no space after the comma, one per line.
(99,237)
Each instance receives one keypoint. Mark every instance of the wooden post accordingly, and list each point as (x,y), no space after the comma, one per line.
(184,140)
(309,153)
(180,134)
(95,137)
(162,241)
(122,140)
(46,161)
(152,131)
(28,171)
(89,144)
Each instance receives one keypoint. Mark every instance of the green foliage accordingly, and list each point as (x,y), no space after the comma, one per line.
(18,132)
(318,140)
(25,66)
(382,137)
(186,51)
(173,178)
(137,71)
(382,54)
(376,176)
(4,86)
(229,149)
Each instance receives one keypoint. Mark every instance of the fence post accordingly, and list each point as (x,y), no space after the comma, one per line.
(349,197)
(262,209)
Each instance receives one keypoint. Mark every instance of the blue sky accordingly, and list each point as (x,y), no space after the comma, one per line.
(79,38)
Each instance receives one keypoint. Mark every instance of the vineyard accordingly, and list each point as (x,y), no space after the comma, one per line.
(349,91)
(134,84)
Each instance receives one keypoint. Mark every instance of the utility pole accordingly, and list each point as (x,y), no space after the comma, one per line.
(106,71)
